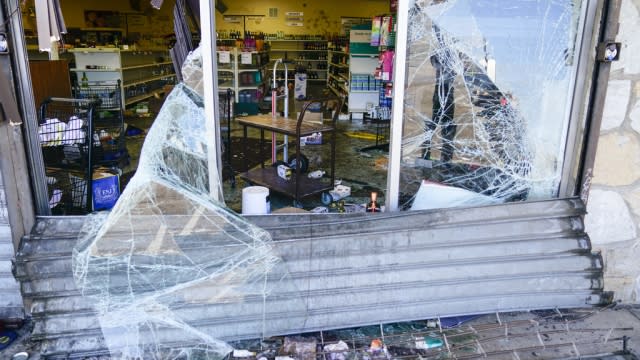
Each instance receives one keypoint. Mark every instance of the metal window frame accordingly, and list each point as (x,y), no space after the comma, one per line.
(24,94)
(576,123)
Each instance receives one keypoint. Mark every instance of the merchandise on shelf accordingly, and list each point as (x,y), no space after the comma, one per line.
(141,73)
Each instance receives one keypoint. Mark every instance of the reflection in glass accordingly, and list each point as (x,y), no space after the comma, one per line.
(486,100)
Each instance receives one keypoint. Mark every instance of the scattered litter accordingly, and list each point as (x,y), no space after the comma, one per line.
(7,337)
(376,346)
(354,208)
(338,351)
(284,172)
(284,358)
(382,163)
(303,348)
(316,174)
(243,353)
(339,192)
(133,131)
(364,154)
(428,342)
(361,135)
(23,355)
(313,139)
(320,210)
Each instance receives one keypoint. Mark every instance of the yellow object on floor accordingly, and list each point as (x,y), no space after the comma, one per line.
(361,135)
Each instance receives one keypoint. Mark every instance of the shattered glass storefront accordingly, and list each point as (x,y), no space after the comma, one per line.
(487,100)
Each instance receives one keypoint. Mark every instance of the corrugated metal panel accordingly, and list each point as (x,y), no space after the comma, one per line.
(353,269)
(10,299)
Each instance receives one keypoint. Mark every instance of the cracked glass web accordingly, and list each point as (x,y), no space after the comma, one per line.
(163,268)
(487,99)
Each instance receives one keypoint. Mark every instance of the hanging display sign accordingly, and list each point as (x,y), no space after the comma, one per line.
(360,36)
(245,58)
(224,57)
(232,19)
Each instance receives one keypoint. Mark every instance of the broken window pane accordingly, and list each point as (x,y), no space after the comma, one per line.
(487,98)
(166,265)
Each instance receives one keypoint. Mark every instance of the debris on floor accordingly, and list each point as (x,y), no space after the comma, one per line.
(552,334)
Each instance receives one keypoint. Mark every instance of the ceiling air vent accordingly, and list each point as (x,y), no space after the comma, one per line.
(273,12)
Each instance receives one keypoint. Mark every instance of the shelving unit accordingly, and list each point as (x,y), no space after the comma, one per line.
(244,72)
(309,54)
(142,73)
(338,73)
(363,88)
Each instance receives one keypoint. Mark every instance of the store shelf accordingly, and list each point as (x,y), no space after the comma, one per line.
(115,66)
(146,65)
(343,66)
(135,99)
(248,69)
(338,77)
(295,50)
(296,40)
(259,61)
(94,70)
(147,80)
(249,87)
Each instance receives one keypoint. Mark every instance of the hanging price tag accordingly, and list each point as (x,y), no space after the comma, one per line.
(224,57)
(245,58)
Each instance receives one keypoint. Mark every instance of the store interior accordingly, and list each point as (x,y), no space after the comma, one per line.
(471,132)
(118,53)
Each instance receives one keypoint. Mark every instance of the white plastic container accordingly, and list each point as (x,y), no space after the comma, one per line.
(255,200)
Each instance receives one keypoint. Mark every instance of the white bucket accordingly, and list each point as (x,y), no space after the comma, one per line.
(255,200)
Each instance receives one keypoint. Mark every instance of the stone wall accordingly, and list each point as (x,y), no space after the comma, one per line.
(614,201)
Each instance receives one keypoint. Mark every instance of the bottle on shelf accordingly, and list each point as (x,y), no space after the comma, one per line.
(84,82)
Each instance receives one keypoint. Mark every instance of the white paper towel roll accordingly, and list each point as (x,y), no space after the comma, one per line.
(255,200)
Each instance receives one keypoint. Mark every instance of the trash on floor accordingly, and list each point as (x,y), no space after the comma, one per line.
(382,163)
(339,192)
(313,139)
(361,135)
(428,342)
(338,351)
(243,353)
(7,337)
(304,348)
